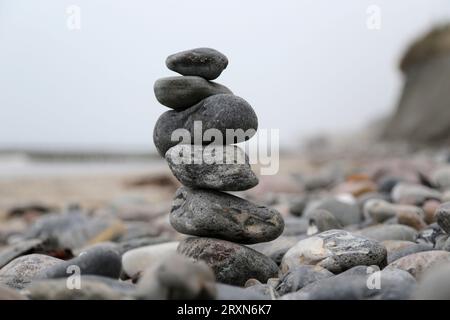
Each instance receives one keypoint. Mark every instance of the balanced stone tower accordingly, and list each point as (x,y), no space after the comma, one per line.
(221,223)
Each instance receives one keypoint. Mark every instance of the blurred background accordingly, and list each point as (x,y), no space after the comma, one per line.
(79,103)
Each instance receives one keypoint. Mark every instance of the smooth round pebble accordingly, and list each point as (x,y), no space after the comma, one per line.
(418,263)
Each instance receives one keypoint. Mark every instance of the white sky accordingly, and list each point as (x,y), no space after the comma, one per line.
(305,66)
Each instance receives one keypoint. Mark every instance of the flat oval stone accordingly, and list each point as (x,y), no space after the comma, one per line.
(414,194)
(21,271)
(230,115)
(417,247)
(216,167)
(203,62)
(102,260)
(135,261)
(232,263)
(335,250)
(220,215)
(443,216)
(418,263)
(300,277)
(180,93)
(345,213)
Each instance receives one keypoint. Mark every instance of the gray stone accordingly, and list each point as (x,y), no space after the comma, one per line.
(435,284)
(335,250)
(18,249)
(443,216)
(300,277)
(294,226)
(220,215)
(393,285)
(345,213)
(177,277)
(21,271)
(322,220)
(102,260)
(413,194)
(265,290)
(389,232)
(441,178)
(232,263)
(203,62)
(224,168)
(220,112)
(180,93)
(277,248)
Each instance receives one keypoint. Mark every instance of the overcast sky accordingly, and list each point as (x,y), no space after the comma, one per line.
(305,66)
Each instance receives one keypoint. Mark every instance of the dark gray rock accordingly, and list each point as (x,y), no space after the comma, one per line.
(345,213)
(180,93)
(220,215)
(300,277)
(335,250)
(408,250)
(443,216)
(220,112)
(392,285)
(101,260)
(298,205)
(430,234)
(203,62)
(322,220)
(232,263)
(21,271)
(177,277)
(224,168)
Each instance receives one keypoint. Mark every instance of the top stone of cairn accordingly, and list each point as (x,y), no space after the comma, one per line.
(202,62)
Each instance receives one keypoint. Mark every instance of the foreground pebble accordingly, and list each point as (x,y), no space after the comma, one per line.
(232,263)
(335,250)
(220,215)
(418,263)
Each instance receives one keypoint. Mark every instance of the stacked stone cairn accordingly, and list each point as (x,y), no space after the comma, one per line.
(221,223)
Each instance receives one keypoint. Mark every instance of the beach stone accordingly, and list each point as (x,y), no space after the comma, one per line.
(387,183)
(7,293)
(177,277)
(298,205)
(58,289)
(300,277)
(220,215)
(430,234)
(73,229)
(413,194)
(441,177)
(394,285)
(135,261)
(335,250)
(102,260)
(141,242)
(345,213)
(389,232)
(18,249)
(418,263)
(265,290)
(443,216)
(435,284)
(395,245)
(276,249)
(430,207)
(380,211)
(203,62)
(322,220)
(232,263)
(21,271)
(226,113)
(419,247)
(224,168)
(229,292)
(180,93)
(441,241)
